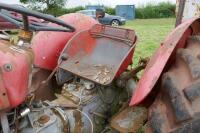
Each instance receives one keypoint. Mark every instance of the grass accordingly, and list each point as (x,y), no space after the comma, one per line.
(150,32)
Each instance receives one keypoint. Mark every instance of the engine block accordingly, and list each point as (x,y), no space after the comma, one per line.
(81,107)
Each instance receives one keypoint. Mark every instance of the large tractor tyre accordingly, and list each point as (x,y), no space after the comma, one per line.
(177,107)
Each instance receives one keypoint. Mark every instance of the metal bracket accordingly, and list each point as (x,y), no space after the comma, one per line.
(4,123)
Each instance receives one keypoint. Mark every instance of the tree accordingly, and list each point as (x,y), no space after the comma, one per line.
(47,6)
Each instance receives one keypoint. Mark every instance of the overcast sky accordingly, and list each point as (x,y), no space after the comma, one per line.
(73,3)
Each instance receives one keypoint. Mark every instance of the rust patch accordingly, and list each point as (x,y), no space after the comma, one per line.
(39,89)
(78,125)
(129,120)
(43,119)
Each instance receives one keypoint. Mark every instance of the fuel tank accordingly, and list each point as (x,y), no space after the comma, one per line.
(47,46)
(15,66)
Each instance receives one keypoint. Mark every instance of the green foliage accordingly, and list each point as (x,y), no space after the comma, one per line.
(162,10)
(55,11)
(72,10)
(53,7)
(48,6)
(61,11)
(24,1)
(46,3)
(110,10)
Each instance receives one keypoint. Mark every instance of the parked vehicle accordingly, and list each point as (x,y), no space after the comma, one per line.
(107,19)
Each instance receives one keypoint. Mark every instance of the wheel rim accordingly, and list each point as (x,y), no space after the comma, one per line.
(115,23)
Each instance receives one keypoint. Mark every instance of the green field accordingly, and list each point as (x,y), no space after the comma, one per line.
(150,32)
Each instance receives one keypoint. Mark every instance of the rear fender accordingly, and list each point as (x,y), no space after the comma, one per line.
(176,39)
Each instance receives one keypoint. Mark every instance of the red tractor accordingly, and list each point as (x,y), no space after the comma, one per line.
(65,79)
(72,77)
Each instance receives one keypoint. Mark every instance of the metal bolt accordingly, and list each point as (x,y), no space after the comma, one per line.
(8,67)
(25,112)
(64,57)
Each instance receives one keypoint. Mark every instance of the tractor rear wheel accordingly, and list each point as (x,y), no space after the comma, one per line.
(177,107)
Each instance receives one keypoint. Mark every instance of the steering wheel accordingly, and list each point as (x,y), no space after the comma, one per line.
(24,23)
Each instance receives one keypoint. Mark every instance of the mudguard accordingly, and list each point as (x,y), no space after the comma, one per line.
(103,56)
(48,45)
(176,39)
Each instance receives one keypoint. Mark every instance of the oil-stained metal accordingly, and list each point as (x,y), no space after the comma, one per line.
(96,102)
(46,118)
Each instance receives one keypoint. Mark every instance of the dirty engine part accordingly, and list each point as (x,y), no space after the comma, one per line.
(81,107)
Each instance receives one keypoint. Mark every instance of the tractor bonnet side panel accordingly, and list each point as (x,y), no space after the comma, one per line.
(176,39)
(15,66)
(48,45)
